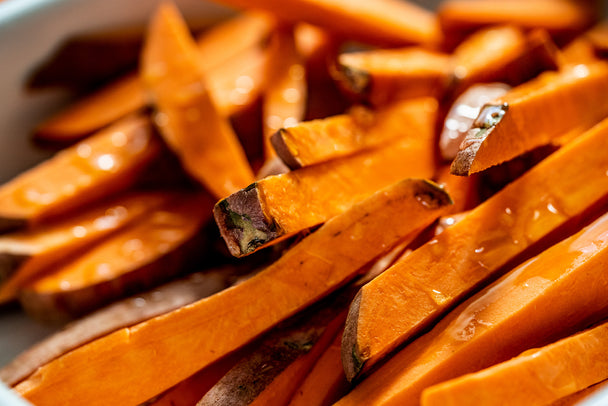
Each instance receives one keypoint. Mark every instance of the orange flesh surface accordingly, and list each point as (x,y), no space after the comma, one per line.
(310,195)
(552,108)
(48,245)
(325,139)
(384,22)
(536,377)
(159,351)
(160,232)
(104,163)
(285,92)
(567,282)
(187,117)
(220,54)
(415,291)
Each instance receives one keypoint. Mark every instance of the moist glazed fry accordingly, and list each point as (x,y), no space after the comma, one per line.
(410,295)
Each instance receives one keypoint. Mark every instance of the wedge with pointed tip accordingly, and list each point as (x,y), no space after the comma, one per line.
(550,109)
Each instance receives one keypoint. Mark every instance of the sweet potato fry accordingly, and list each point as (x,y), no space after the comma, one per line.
(535,377)
(585,394)
(149,252)
(26,254)
(285,92)
(186,116)
(189,391)
(550,109)
(271,373)
(326,383)
(503,54)
(570,181)
(321,140)
(159,351)
(598,36)
(103,164)
(463,112)
(566,281)
(382,76)
(123,313)
(383,22)
(218,47)
(113,102)
(561,18)
(263,213)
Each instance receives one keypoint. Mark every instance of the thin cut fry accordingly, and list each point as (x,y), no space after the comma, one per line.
(160,351)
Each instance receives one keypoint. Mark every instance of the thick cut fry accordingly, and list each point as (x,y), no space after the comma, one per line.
(410,295)
(321,140)
(160,351)
(561,18)
(326,383)
(220,47)
(271,373)
(550,109)
(279,206)
(536,377)
(127,312)
(103,164)
(503,54)
(382,22)
(151,251)
(186,116)
(568,282)
(382,76)
(285,93)
(24,255)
